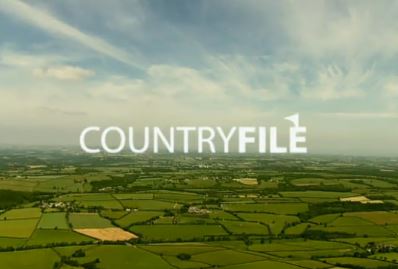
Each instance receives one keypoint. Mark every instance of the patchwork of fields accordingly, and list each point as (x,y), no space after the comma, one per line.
(172,213)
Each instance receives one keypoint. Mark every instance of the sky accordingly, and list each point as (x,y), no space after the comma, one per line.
(65,65)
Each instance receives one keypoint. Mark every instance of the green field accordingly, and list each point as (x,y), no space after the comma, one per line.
(37,258)
(243,227)
(122,256)
(350,261)
(175,249)
(11,242)
(188,213)
(149,204)
(45,237)
(21,228)
(275,222)
(55,220)
(276,208)
(88,220)
(137,217)
(22,213)
(177,232)
(225,257)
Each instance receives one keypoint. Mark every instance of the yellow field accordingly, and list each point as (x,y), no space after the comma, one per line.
(108,234)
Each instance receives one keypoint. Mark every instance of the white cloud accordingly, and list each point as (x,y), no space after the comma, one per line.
(362,115)
(176,80)
(44,65)
(391,87)
(249,78)
(20,59)
(64,72)
(351,29)
(47,22)
(338,43)
(333,82)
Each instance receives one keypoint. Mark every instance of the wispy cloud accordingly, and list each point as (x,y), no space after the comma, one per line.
(208,62)
(44,65)
(44,110)
(362,115)
(391,87)
(65,72)
(13,58)
(333,82)
(51,24)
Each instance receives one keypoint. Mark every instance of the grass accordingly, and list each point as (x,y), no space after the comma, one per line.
(243,212)
(317,194)
(225,257)
(44,237)
(29,259)
(392,256)
(165,220)
(276,247)
(262,265)
(275,222)
(137,217)
(379,183)
(17,185)
(297,229)
(201,183)
(308,254)
(312,264)
(167,232)
(133,196)
(85,197)
(69,250)
(312,181)
(175,196)
(175,249)
(22,213)
(350,221)
(22,228)
(60,185)
(276,208)
(221,215)
(299,245)
(363,241)
(377,217)
(348,183)
(324,218)
(107,204)
(242,227)
(367,263)
(194,220)
(88,220)
(11,242)
(93,200)
(176,262)
(124,257)
(360,231)
(55,220)
(113,214)
(149,204)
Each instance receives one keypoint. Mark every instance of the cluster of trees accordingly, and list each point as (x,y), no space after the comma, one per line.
(10,199)
(73,262)
(338,207)
(59,244)
(353,266)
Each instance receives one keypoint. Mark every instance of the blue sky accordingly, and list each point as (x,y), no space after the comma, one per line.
(68,64)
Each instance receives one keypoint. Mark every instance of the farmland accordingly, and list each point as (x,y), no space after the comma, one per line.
(65,211)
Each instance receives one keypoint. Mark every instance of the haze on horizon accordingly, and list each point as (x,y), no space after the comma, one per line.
(67,65)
